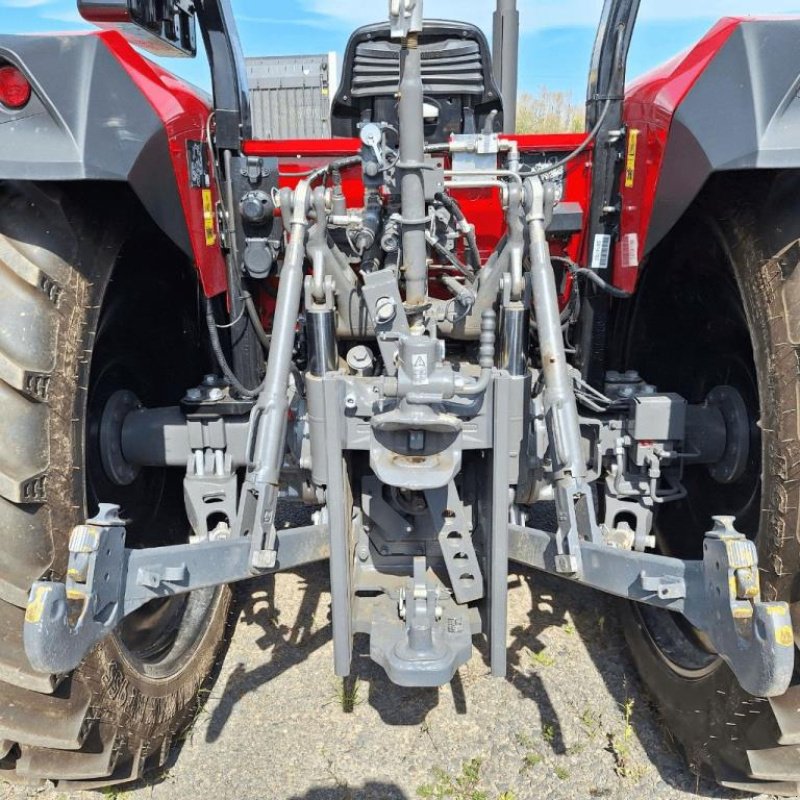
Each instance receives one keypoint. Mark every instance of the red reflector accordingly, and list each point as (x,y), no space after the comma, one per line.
(15,91)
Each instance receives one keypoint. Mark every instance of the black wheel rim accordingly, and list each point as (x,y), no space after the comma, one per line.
(692,318)
(157,639)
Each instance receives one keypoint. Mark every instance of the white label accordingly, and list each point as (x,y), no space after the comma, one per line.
(419,368)
(630,250)
(601,251)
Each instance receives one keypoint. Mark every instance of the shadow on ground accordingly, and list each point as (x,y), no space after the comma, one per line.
(596,617)
(596,620)
(288,647)
(370,791)
(552,602)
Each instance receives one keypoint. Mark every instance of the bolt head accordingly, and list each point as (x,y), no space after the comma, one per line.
(385,310)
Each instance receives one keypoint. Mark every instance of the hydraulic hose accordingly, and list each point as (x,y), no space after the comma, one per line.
(591,136)
(449,257)
(219,355)
(473,254)
(339,164)
(604,285)
(252,312)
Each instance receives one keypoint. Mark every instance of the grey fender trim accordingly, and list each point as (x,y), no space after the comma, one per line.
(742,113)
(87,120)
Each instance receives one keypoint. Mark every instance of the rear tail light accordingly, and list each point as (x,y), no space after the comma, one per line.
(15,91)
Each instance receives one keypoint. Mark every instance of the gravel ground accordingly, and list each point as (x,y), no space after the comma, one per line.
(569,721)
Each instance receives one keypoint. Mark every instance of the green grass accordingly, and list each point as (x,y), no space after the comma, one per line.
(463,786)
(530,756)
(590,722)
(542,659)
(530,760)
(347,694)
(619,745)
(198,712)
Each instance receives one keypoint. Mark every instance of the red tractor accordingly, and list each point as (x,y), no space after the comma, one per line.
(422,329)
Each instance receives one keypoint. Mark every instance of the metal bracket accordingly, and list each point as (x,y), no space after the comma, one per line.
(111,581)
(94,572)
(719,595)
(423,639)
(455,539)
(209,489)
(385,306)
(753,636)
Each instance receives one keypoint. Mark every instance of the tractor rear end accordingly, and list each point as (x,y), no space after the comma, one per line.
(420,329)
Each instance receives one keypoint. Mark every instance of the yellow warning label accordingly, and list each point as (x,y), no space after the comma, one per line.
(36,606)
(208,218)
(630,164)
(784,636)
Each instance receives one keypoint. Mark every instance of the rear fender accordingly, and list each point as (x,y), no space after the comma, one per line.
(729,104)
(101,112)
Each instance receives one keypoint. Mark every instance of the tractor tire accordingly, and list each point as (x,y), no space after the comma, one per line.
(84,293)
(719,304)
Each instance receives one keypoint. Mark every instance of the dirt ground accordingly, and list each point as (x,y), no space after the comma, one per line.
(569,721)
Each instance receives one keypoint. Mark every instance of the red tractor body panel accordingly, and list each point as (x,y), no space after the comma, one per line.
(481,206)
(184,112)
(728,104)
(650,105)
(650,110)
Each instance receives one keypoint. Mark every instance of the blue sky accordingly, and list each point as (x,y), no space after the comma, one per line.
(556,38)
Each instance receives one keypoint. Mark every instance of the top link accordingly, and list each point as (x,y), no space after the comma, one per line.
(405,16)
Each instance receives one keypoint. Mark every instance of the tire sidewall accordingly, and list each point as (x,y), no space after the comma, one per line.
(712,718)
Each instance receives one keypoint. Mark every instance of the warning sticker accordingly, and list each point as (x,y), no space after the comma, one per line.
(630,163)
(208,217)
(419,368)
